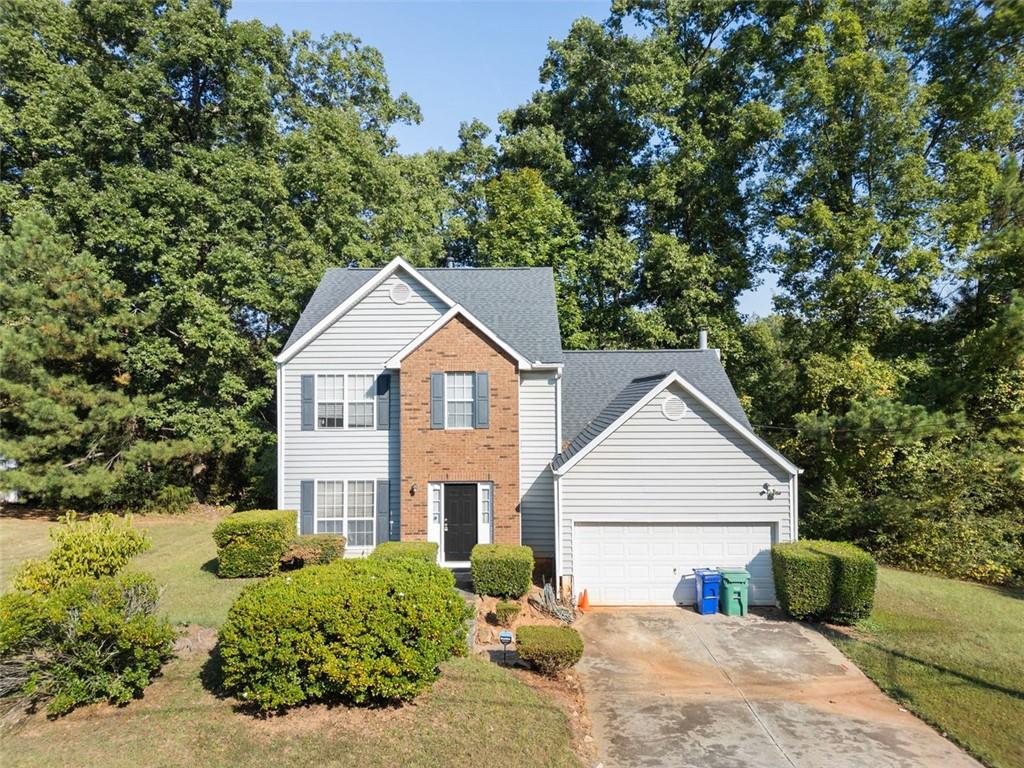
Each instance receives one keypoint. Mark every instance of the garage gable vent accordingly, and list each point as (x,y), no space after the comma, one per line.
(673,408)
(400,292)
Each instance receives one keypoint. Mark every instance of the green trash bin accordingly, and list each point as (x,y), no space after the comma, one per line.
(734,591)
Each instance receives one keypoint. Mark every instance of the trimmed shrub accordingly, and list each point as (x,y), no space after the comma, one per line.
(252,543)
(99,546)
(501,570)
(398,550)
(357,631)
(549,650)
(314,549)
(824,580)
(505,611)
(87,640)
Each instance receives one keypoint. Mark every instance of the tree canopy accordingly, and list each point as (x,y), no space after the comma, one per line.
(173,184)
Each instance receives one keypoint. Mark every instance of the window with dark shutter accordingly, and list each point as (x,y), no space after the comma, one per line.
(482,416)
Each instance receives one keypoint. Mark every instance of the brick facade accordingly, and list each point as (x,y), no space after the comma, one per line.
(465,455)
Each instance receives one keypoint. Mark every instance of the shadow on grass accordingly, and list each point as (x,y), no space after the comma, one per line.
(210,566)
(836,633)
(26,512)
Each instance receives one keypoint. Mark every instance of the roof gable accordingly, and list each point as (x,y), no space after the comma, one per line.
(635,396)
(592,379)
(516,304)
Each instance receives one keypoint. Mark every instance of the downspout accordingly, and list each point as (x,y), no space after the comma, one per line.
(558,486)
(280,437)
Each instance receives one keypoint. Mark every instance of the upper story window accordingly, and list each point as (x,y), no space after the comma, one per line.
(459,398)
(345,400)
(330,402)
(360,394)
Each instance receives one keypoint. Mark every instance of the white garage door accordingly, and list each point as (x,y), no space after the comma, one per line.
(652,564)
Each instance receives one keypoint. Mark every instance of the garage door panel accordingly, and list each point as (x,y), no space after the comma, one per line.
(652,564)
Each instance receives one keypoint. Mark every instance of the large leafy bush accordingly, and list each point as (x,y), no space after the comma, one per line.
(824,580)
(252,543)
(99,546)
(985,549)
(501,570)
(358,631)
(396,550)
(549,649)
(86,640)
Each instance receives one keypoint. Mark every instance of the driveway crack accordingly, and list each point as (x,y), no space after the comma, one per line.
(750,706)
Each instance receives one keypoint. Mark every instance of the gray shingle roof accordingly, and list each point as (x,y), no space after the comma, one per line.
(518,304)
(599,386)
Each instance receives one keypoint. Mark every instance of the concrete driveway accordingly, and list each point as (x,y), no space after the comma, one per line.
(666,687)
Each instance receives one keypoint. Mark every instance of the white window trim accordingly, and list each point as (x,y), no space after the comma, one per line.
(471,401)
(344,402)
(344,510)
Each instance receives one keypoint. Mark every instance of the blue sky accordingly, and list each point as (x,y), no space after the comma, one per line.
(457,60)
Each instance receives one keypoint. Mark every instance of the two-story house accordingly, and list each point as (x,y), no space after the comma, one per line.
(438,404)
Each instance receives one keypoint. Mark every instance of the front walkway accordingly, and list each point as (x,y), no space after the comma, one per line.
(666,687)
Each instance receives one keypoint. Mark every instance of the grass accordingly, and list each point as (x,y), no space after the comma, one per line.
(183,559)
(475,714)
(951,652)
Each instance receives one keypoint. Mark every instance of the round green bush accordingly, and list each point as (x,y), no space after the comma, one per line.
(506,610)
(501,570)
(252,543)
(549,650)
(355,631)
(396,550)
(824,580)
(89,639)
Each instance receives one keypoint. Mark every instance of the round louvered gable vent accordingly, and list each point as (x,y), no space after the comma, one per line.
(673,408)
(400,292)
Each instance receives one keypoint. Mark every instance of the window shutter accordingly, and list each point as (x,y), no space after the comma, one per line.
(437,400)
(384,401)
(482,411)
(306,507)
(308,401)
(383,511)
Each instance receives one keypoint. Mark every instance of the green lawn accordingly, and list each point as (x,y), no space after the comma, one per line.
(952,653)
(182,559)
(476,714)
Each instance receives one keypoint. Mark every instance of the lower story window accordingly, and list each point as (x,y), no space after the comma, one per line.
(346,507)
(360,513)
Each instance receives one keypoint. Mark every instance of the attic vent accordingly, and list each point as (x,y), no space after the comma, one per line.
(673,408)
(400,292)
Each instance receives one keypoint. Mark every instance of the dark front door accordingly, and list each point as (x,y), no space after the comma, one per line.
(459,520)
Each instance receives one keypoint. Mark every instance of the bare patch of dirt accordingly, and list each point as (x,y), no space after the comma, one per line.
(565,690)
(194,639)
(488,628)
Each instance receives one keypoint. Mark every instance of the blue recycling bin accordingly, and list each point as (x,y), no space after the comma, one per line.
(708,588)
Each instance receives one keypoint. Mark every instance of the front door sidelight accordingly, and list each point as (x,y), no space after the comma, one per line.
(460,524)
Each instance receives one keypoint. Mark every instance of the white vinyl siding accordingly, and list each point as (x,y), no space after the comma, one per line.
(696,470)
(537,446)
(361,341)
